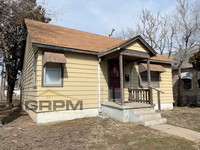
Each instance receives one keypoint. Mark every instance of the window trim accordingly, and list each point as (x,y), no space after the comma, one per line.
(35,71)
(191,84)
(151,80)
(139,77)
(62,74)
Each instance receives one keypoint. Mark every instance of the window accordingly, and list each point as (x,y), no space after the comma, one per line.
(35,70)
(154,79)
(187,84)
(52,74)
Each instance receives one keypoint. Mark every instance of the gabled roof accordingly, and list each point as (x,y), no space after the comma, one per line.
(175,55)
(129,41)
(43,33)
(52,35)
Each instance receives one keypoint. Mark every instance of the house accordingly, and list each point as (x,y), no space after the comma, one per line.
(190,78)
(64,68)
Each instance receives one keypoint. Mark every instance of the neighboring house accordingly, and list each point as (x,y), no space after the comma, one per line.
(190,78)
(62,67)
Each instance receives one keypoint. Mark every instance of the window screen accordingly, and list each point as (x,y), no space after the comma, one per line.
(154,79)
(52,74)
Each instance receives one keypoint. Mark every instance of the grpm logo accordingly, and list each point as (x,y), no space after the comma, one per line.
(52,104)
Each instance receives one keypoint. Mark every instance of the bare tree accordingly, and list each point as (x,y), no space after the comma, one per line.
(178,30)
(13,34)
(188,34)
(157,30)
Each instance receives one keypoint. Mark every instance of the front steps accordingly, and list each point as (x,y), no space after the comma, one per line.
(132,112)
(146,116)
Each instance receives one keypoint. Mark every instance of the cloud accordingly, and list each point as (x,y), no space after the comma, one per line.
(96,16)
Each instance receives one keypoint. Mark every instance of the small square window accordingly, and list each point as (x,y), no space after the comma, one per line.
(187,84)
(52,74)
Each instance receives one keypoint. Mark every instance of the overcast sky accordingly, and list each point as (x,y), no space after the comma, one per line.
(96,16)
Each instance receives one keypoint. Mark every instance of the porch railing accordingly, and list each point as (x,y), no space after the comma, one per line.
(143,96)
(139,95)
(158,94)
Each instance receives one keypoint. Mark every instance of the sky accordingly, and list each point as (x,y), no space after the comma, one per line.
(97,16)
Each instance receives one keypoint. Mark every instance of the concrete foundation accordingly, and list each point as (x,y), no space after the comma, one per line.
(164,106)
(121,113)
(47,117)
(132,112)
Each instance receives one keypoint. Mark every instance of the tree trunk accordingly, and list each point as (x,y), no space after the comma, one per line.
(179,102)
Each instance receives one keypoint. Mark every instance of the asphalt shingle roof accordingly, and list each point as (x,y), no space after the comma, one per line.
(48,34)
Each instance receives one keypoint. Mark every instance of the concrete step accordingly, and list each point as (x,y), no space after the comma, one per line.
(152,122)
(149,116)
(142,111)
(144,116)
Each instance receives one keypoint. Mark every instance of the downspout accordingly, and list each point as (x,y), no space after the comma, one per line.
(99,94)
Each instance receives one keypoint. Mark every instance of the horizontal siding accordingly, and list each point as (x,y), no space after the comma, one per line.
(28,68)
(138,46)
(80,80)
(165,83)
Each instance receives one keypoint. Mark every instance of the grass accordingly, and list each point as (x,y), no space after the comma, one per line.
(185,117)
(88,133)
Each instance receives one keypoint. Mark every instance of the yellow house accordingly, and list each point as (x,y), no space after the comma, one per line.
(68,74)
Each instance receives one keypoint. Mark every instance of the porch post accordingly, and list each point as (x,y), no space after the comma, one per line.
(121,78)
(149,82)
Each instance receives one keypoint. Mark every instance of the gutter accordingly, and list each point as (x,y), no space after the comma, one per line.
(160,61)
(64,49)
(108,52)
(99,91)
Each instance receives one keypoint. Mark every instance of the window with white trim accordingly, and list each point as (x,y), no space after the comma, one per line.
(35,70)
(52,74)
(143,80)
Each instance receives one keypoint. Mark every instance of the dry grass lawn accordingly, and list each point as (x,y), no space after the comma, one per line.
(185,117)
(20,132)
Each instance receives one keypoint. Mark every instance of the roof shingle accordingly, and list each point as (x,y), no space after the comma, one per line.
(43,33)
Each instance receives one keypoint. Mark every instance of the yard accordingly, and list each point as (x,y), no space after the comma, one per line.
(20,132)
(185,117)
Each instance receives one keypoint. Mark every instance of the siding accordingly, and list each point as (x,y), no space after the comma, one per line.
(28,68)
(80,81)
(138,46)
(165,83)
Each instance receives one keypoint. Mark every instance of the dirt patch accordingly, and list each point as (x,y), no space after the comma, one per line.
(86,133)
(185,117)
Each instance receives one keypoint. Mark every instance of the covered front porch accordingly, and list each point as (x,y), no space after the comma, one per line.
(137,105)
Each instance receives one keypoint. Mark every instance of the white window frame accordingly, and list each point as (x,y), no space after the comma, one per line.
(44,76)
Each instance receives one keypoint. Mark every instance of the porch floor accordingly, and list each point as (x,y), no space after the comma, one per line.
(128,105)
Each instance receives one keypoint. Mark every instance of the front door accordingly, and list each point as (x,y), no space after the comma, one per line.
(114,82)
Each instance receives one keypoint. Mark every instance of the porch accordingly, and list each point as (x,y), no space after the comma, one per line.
(138,106)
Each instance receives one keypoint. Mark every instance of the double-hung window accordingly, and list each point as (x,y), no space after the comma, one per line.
(143,80)
(52,74)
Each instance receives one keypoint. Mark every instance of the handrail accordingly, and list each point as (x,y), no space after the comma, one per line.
(158,93)
(155,89)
